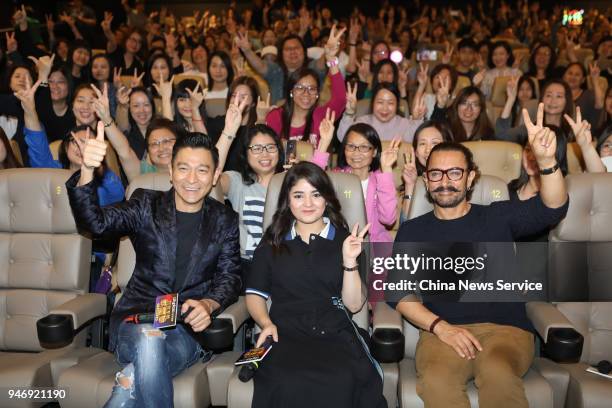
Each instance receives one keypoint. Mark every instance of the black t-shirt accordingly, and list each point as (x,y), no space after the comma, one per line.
(503,221)
(187,227)
(215,127)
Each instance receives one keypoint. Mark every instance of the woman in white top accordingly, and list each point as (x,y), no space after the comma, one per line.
(385,117)
(500,63)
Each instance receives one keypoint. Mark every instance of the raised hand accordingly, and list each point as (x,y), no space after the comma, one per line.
(409,172)
(263,108)
(93,150)
(20,16)
(164,89)
(512,87)
(101,104)
(581,128)
(595,71)
(351,99)
(326,129)
(106,23)
(136,80)
(419,109)
(351,247)
(123,95)
(242,41)
(49,22)
(233,116)
(11,42)
(354,30)
(196,97)
(388,157)
(43,66)
(542,140)
(423,75)
(26,96)
(443,92)
(363,70)
(402,80)
(448,55)
(64,17)
(117,77)
(518,61)
(333,43)
(479,77)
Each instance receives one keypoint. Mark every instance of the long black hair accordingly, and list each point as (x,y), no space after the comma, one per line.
(568,110)
(550,68)
(283,217)
(250,83)
(248,174)
(379,66)
(144,91)
(515,113)
(560,155)
(222,55)
(287,110)
(370,134)
(86,70)
(180,92)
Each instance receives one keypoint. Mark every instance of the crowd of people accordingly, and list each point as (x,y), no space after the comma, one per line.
(359,88)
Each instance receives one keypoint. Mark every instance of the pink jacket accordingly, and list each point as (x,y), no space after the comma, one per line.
(380,200)
(336,104)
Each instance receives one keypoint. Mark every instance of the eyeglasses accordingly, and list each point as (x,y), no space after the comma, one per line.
(312,90)
(258,149)
(472,105)
(361,148)
(383,52)
(164,142)
(453,174)
(607,146)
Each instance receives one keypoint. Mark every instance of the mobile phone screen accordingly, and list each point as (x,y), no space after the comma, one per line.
(290,151)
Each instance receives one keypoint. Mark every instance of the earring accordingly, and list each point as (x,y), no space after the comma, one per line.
(291,94)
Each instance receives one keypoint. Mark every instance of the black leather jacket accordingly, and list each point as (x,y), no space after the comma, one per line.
(149,220)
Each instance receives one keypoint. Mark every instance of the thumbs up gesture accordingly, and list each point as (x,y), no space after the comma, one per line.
(93,150)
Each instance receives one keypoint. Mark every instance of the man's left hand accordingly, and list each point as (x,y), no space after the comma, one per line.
(200,317)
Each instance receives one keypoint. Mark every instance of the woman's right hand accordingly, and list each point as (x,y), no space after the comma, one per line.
(164,89)
(409,172)
(101,104)
(351,99)
(268,330)
(512,87)
(43,66)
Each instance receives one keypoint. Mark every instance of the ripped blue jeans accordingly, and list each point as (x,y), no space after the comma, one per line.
(150,359)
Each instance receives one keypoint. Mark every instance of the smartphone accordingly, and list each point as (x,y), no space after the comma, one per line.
(427,55)
(290,151)
(454,13)
(573,18)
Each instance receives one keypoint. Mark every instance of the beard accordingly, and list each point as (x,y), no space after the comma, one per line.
(447,201)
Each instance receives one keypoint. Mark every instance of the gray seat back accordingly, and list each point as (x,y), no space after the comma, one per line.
(44,262)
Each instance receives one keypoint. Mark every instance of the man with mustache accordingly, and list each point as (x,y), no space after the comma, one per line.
(491,343)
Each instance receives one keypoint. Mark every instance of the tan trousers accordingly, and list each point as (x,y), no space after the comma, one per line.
(497,369)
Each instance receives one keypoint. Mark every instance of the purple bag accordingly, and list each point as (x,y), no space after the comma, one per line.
(104,284)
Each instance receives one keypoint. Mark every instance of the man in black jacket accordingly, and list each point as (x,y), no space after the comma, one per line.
(185,243)
(491,342)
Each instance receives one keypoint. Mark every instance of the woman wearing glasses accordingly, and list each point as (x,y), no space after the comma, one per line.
(361,154)
(300,117)
(260,156)
(466,117)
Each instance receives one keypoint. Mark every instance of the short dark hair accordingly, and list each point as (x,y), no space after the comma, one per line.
(161,123)
(506,47)
(195,140)
(467,154)
(467,43)
(441,127)
(389,87)
(370,134)
(248,174)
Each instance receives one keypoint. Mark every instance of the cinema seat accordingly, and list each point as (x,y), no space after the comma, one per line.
(348,191)
(92,380)
(498,92)
(544,384)
(215,107)
(44,269)
(580,248)
(593,320)
(497,158)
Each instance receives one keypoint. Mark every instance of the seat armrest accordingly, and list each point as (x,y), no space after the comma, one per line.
(83,308)
(545,316)
(383,317)
(237,313)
